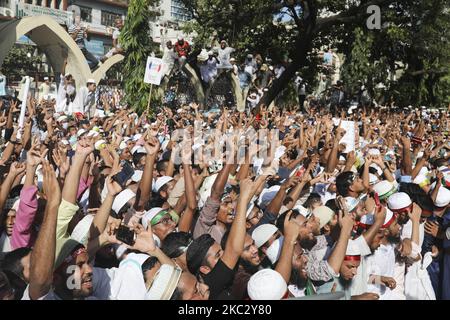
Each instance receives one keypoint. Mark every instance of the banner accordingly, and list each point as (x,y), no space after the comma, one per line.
(154,71)
(349,137)
(61,16)
(24,105)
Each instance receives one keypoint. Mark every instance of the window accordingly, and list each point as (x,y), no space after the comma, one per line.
(4,3)
(108,18)
(86,14)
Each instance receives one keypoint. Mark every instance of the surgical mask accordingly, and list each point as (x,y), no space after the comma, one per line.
(274,251)
(65,125)
(70,90)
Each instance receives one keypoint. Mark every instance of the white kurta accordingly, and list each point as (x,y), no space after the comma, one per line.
(359,281)
(381,263)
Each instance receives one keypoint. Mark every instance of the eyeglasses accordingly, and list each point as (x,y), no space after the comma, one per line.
(165,221)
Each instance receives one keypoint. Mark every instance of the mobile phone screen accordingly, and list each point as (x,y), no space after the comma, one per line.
(123,176)
(125,234)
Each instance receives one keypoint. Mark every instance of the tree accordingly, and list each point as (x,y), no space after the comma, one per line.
(27,66)
(249,25)
(138,45)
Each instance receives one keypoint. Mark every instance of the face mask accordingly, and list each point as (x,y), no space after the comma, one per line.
(70,90)
(65,126)
(274,251)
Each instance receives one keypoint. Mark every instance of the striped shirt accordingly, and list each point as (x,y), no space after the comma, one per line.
(80,35)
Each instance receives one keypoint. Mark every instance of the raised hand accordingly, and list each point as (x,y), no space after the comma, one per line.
(85,146)
(50,184)
(291,227)
(17,168)
(144,240)
(113,187)
(152,146)
(35,156)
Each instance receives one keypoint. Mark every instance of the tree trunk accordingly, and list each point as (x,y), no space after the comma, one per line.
(302,46)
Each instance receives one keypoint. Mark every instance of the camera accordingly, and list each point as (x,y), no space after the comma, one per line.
(126,235)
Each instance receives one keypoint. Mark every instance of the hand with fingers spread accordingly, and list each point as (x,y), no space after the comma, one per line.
(62,161)
(35,155)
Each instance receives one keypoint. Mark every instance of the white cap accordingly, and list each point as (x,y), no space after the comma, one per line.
(160,182)
(262,233)
(266,284)
(373,179)
(353,248)
(121,199)
(137,176)
(374,152)
(324,214)
(46,78)
(384,189)
(61,118)
(303,211)
(351,203)
(92,133)
(99,144)
(164,284)
(398,201)
(81,132)
(149,215)
(81,231)
(91,81)
(136,137)
(421,180)
(443,197)
(138,149)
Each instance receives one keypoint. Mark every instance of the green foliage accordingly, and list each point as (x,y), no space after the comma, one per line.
(138,45)
(17,63)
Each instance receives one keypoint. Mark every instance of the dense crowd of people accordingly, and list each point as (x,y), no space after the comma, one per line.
(189,204)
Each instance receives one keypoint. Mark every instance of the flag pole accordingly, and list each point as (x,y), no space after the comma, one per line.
(150,98)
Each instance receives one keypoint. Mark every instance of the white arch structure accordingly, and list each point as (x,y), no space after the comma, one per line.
(56,43)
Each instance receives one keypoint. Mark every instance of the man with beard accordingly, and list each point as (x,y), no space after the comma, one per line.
(299,277)
(249,264)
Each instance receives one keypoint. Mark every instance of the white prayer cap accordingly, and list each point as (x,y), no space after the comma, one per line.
(138,149)
(443,197)
(81,231)
(81,132)
(149,215)
(351,203)
(92,133)
(390,217)
(367,220)
(384,189)
(161,181)
(262,233)
(373,179)
(266,284)
(399,201)
(61,119)
(121,199)
(267,195)
(100,144)
(353,248)
(137,176)
(375,166)
(374,152)
(303,211)
(422,180)
(46,78)
(91,81)
(324,214)
(164,283)
(136,137)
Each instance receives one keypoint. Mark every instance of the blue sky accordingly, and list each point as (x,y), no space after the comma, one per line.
(285,17)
